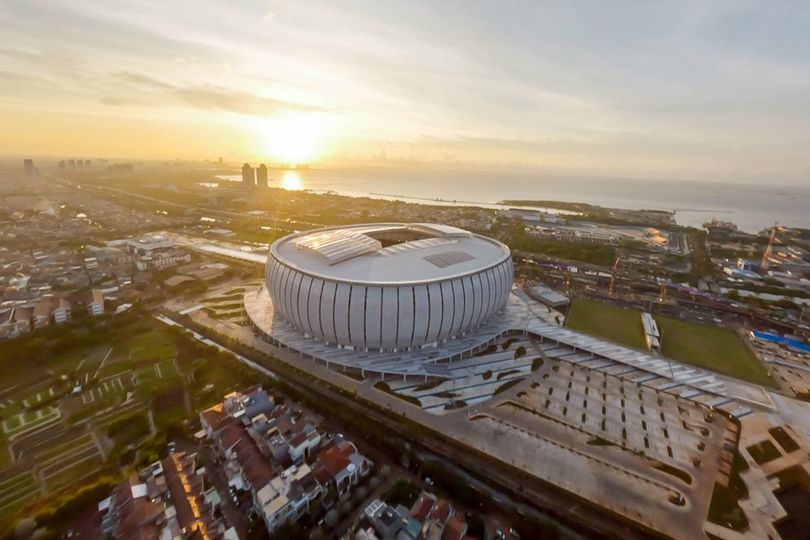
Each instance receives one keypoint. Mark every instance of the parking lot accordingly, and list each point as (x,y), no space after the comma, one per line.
(642,452)
(656,424)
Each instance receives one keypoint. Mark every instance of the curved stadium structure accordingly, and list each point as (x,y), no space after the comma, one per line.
(387,286)
(417,300)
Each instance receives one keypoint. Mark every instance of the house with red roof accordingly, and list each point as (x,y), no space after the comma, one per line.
(341,466)
(455,528)
(168,499)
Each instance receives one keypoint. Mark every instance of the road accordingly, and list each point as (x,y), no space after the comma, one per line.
(234,515)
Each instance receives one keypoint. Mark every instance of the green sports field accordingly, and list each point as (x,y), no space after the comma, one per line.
(717,349)
(622,326)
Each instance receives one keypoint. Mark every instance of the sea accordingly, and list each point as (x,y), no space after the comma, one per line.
(752,207)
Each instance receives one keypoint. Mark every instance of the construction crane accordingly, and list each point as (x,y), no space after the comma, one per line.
(613,275)
(766,257)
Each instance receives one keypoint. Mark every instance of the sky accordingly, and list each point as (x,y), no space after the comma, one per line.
(683,89)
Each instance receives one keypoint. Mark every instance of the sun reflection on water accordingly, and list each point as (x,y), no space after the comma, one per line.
(291,181)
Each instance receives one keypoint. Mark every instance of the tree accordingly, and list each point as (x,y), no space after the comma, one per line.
(345,507)
(475,526)
(520,352)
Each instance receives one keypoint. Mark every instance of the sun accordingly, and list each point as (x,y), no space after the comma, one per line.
(291,181)
(291,139)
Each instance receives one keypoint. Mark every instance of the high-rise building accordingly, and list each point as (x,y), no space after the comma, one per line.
(28,165)
(87,164)
(248,175)
(62,166)
(261,176)
(71,165)
(79,165)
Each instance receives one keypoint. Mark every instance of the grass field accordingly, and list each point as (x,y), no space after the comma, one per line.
(111,369)
(50,451)
(79,467)
(5,457)
(714,348)
(616,324)
(29,420)
(717,349)
(17,490)
(151,362)
(155,345)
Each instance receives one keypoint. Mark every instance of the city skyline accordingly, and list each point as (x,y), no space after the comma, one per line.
(690,91)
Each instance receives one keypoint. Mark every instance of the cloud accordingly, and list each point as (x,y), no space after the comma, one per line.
(202,97)
(120,101)
(720,85)
(235,101)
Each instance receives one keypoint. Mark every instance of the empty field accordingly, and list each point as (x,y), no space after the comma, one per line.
(613,323)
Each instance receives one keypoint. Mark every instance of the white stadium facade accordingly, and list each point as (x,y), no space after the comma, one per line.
(389,286)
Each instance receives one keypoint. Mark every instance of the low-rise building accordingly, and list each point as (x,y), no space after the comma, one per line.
(13,323)
(433,519)
(285,497)
(61,311)
(168,499)
(42,313)
(152,252)
(386,520)
(265,451)
(341,466)
(455,528)
(95,303)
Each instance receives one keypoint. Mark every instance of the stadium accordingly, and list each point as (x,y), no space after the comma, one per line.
(389,286)
(418,301)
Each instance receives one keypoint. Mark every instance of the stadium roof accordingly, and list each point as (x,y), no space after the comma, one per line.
(415,253)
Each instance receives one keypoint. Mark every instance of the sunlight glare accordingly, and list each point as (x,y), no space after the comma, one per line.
(291,139)
(291,181)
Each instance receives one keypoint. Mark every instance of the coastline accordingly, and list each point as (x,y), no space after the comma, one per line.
(751,208)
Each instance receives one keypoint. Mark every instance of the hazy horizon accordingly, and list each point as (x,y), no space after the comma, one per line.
(687,91)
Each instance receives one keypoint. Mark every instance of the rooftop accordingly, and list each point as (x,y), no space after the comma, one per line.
(389,253)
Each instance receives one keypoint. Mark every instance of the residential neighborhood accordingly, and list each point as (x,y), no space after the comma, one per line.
(277,468)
